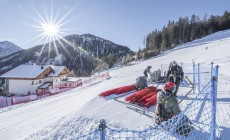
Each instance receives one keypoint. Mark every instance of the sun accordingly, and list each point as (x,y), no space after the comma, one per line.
(50,29)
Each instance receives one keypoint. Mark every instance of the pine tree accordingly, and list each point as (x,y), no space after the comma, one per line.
(139,54)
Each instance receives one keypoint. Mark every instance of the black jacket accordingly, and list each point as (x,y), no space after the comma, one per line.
(146,71)
(175,74)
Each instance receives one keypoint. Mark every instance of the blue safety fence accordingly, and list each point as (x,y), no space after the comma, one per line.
(201,75)
(196,121)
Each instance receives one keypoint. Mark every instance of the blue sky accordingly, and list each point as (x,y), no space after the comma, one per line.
(123,22)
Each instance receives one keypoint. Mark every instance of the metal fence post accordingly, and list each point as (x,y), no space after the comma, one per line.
(198,77)
(216,71)
(211,70)
(162,70)
(102,127)
(194,77)
(214,97)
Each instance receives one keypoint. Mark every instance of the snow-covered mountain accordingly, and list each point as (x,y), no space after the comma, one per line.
(7,48)
(77,112)
(80,53)
(97,46)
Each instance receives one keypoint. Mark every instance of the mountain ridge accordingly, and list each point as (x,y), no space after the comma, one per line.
(81,54)
(7,48)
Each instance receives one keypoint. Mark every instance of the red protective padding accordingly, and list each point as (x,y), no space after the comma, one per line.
(125,89)
(109,92)
(134,98)
(142,103)
(150,100)
(147,96)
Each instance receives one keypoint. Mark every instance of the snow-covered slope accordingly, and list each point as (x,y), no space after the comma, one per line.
(7,48)
(65,116)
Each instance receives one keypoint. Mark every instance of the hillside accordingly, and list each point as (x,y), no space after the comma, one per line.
(79,53)
(7,48)
(66,116)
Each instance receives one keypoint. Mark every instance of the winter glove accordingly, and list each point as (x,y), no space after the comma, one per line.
(158,120)
(157,113)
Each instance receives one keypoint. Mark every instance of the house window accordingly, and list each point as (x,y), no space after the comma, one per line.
(32,82)
(40,81)
(69,84)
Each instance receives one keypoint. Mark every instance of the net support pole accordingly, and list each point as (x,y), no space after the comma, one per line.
(194,77)
(198,77)
(214,97)
(102,127)
(212,70)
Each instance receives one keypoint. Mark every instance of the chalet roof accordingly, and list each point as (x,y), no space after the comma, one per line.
(57,71)
(31,71)
(25,71)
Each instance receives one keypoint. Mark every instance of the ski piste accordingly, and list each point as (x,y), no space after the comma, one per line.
(139,110)
(142,111)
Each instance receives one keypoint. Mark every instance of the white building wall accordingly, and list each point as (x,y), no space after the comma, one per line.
(48,79)
(57,81)
(22,87)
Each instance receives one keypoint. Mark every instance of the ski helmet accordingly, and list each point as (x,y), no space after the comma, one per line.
(174,62)
(170,86)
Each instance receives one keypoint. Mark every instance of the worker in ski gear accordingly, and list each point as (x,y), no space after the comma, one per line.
(175,74)
(147,70)
(167,105)
(141,83)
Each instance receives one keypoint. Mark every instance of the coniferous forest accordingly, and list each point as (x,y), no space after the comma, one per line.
(182,31)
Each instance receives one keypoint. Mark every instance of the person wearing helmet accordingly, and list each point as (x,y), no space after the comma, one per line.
(175,74)
(147,70)
(167,105)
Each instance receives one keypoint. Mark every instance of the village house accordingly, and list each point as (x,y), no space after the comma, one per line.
(37,79)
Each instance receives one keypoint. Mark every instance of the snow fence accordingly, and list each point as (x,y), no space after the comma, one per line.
(196,121)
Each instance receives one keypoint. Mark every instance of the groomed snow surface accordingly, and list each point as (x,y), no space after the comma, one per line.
(66,115)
